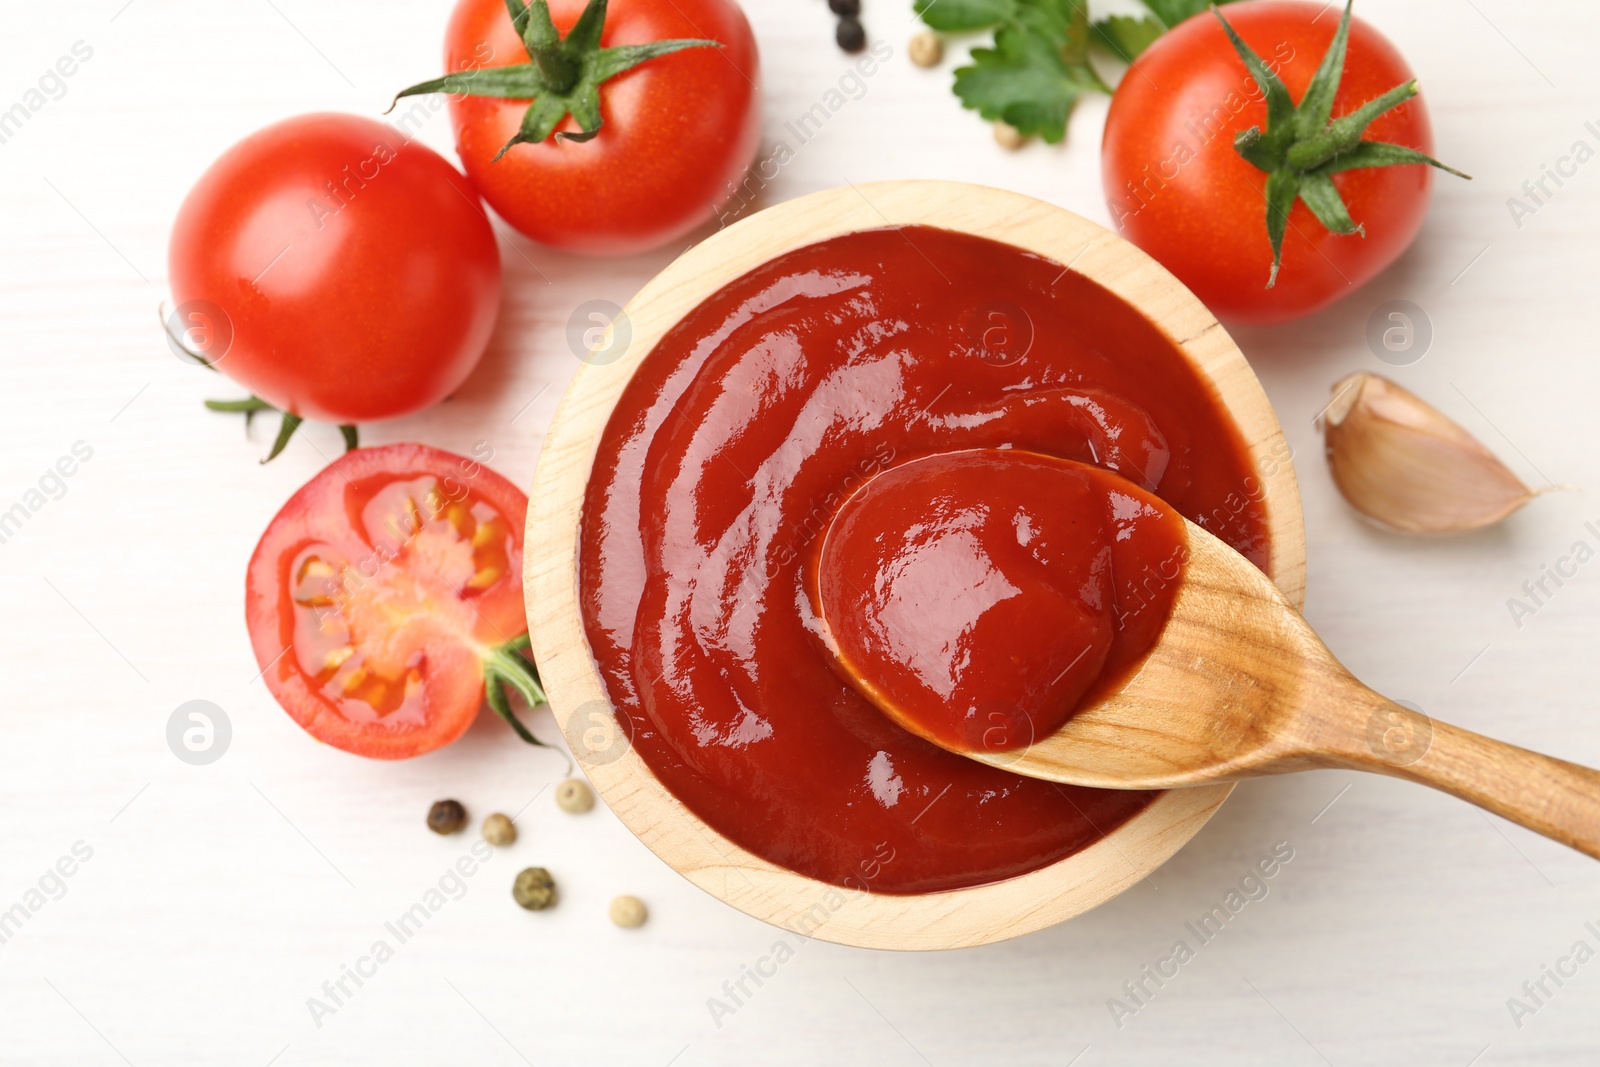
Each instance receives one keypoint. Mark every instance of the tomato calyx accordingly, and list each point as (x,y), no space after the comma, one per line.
(563,76)
(1303,146)
(253,405)
(508,666)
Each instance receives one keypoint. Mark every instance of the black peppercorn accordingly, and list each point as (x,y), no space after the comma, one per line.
(446,816)
(850,35)
(851,8)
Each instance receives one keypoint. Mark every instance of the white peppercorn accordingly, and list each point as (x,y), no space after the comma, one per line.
(574,795)
(628,912)
(926,49)
(499,830)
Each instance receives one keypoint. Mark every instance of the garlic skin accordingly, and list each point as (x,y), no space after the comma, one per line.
(1402,463)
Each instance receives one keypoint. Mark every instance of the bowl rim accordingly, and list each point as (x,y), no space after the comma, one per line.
(795,902)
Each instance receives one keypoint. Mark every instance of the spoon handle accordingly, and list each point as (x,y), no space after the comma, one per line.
(1549,796)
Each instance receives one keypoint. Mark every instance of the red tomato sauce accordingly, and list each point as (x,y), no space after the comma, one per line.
(731,448)
(980,597)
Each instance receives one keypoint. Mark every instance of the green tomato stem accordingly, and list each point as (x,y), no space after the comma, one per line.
(508,666)
(563,76)
(1300,149)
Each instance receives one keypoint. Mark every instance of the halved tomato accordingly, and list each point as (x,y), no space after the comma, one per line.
(384,600)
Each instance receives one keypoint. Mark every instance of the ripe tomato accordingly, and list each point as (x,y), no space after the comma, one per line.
(678,131)
(384,595)
(356,271)
(1178,189)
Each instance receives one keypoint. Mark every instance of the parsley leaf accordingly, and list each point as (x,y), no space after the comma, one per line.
(1172,12)
(956,16)
(1024,81)
(1039,64)
(1125,36)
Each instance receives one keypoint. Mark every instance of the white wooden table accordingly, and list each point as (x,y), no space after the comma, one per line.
(215,900)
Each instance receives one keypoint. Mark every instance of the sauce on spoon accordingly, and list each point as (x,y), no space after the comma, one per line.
(978,597)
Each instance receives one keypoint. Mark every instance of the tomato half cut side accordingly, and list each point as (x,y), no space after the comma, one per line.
(386,593)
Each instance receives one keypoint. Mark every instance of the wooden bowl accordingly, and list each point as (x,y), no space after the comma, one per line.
(775,894)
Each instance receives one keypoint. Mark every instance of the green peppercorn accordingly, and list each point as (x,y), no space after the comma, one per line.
(446,816)
(534,889)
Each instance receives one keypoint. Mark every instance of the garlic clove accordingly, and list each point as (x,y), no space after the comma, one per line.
(1403,463)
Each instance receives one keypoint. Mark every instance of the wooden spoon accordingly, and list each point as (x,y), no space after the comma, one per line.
(1238,685)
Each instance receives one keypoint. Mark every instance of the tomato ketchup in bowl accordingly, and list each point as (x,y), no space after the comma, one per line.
(828,348)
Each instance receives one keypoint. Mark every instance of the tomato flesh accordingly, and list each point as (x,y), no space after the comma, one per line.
(378,590)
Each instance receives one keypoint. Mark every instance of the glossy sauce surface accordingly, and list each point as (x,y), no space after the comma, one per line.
(979,597)
(736,440)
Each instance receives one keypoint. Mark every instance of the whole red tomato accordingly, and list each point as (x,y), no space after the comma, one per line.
(1178,189)
(353,274)
(678,131)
